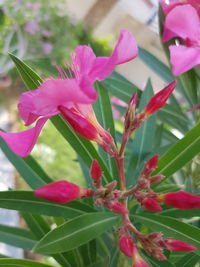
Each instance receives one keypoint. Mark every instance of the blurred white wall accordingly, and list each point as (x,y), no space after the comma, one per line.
(139,17)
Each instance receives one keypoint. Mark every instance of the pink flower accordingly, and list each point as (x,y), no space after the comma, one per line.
(151,204)
(60,192)
(31,27)
(47,47)
(177,245)
(46,33)
(126,245)
(181,200)
(159,99)
(168,5)
(183,22)
(70,96)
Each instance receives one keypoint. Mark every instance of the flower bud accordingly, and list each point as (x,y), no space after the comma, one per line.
(177,245)
(150,166)
(180,200)
(151,204)
(126,245)
(116,207)
(80,124)
(96,173)
(60,192)
(138,260)
(130,113)
(159,99)
(156,179)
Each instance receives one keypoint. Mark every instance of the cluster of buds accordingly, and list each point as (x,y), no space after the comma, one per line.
(133,121)
(84,122)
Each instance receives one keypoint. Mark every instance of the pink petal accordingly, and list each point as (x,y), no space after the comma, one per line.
(167,35)
(84,59)
(53,93)
(23,142)
(184,22)
(183,58)
(125,50)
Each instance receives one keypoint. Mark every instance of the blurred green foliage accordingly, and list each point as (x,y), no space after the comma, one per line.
(25,26)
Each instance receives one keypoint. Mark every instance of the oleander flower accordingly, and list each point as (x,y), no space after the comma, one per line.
(168,5)
(70,95)
(183,22)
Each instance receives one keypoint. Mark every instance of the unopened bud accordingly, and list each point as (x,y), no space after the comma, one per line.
(111,186)
(177,245)
(138,260)
(116,207)
(150,166)
(96,173)
(60,192)
(130,113)
(180,200)
(151,205)
(156,179)
(159,99)
(126,245)
(80,124)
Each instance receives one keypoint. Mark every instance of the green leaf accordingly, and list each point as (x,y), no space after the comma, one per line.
(157,263)
(21,263)
(180,153)
(82,146)
(30,78)
(120,87)
(75,232)
(17,237)
(104,115)
(188,260)
(171,228)
(27,202)
(28,168)
(143,140)
(176,213)
(173,117)
(156,65)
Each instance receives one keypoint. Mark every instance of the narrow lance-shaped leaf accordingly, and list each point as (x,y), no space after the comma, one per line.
(21,263)
(104,115)
(25,201)
(76,232)
(28,168)
(180,153)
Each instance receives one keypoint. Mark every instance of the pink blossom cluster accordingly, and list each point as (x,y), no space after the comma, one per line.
(182,21)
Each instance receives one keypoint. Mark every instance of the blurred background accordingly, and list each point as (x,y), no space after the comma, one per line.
(44,33)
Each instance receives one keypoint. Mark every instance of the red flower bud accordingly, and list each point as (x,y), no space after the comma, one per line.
(151,204)
(117,207)
(159,99)
(156,179)
(95,170)
(126,245)
(138,260)
(60,191)
(177,245)
(80,124)
(181,200)
(130,113)
(152,163)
